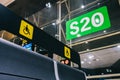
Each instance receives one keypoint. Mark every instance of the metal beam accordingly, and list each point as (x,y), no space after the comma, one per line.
(103,76)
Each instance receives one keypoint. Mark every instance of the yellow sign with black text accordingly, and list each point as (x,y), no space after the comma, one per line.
(67,52)
(26,29)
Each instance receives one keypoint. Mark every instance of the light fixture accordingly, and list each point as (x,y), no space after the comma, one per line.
(53,24)
(104,31)
(86,42)
(91,56)
(82,6)
(110,70)
(48,5)
(6,2)
(88,49)
(118,46)
(98,3)
(97,59)
(56,35)
(82,62)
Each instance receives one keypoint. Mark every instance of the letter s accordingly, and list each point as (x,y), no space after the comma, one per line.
(74,27)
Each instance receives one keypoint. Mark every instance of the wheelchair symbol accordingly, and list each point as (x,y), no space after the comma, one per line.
(26,30)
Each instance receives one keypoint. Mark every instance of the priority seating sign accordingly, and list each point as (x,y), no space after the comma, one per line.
(67,52)
(26,29)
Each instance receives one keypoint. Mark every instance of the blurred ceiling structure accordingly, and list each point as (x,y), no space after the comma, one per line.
(26,8)
(101,58)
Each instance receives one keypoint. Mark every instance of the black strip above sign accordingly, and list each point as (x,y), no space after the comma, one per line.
(20,27)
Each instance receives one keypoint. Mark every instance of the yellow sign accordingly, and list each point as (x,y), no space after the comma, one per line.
(26,29)
(67,52)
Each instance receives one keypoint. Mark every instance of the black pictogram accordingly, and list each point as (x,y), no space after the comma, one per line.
(67,53)
(26,30)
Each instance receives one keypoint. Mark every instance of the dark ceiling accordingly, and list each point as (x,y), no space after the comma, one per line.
(26,8)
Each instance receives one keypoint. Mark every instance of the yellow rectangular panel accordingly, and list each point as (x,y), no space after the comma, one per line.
(67,52)
(26,29)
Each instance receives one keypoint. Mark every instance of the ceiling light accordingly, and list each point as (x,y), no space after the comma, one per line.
(98,3)
(107,70)
(110,70)
(118,46)
(88,49)
(97,59)
(53,24)
(48,5)
(82,6)
(104,31)
(82,62)
(56,35)
(91,56)
(86,42)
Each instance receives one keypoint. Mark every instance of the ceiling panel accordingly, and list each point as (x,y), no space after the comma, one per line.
(100,59)
(26,8)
